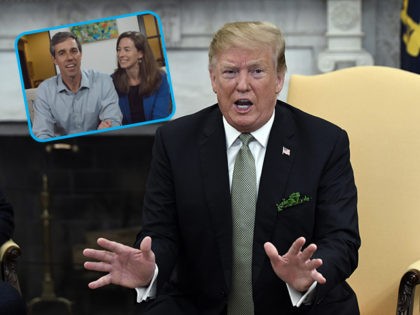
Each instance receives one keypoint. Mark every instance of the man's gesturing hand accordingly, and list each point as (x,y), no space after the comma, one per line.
(296,267)
(105,124)
(124,265)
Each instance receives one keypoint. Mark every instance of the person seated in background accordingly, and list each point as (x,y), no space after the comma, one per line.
(141,85)
(75,100)
(10,300)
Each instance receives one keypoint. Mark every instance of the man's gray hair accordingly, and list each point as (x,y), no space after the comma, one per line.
(249,35)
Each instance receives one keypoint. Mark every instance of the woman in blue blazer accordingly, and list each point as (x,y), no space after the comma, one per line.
(141,85)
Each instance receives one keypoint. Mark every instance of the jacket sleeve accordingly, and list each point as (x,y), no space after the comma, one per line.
(159,212)
(110,110)
(336,231)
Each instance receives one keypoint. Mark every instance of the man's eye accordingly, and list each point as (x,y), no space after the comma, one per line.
(229,73)
(257,72)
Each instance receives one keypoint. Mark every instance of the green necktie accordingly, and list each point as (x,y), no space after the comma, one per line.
(244,197)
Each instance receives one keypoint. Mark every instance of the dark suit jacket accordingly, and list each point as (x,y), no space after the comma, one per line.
(187,212)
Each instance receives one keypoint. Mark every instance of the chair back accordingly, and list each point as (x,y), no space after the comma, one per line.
(379,107)
(9,253)
(30,98)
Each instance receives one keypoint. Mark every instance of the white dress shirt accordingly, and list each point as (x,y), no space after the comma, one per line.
(258,149)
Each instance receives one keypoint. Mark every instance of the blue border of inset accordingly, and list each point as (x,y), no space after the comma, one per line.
(91,132)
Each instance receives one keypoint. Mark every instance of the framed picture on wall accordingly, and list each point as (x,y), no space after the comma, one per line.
(93,32)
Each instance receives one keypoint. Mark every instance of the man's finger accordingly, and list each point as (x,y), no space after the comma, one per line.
(318,277)
(97,266)
(314,264)
(101,255)
(146,248)
(102,281)
(308,252)
(297,246)
(271,251)
(146,244)
(111,245)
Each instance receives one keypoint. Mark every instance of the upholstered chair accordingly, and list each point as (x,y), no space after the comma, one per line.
(9,252)
(379,107)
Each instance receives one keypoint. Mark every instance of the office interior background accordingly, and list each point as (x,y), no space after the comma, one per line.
(96,184)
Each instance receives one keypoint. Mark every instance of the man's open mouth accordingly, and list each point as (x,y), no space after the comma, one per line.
(243,104)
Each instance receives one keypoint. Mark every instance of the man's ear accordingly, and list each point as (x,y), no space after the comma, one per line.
(279,81)
(213,79)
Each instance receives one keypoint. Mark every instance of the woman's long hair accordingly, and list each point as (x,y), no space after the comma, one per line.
(149,71)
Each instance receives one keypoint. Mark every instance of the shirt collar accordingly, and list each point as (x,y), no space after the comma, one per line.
(84,83)
(261,134)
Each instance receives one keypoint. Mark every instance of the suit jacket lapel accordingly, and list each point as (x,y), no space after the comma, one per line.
(274,177)
(215,177)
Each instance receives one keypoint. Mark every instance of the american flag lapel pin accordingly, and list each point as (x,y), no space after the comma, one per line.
(285,151)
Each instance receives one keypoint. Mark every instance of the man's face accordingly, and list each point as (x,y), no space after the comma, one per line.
(246,83)
(68,58)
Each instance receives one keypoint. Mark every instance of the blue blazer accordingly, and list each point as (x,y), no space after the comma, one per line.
(156,106)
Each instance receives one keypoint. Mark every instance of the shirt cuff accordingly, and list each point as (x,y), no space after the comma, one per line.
(298,298)
(149,292)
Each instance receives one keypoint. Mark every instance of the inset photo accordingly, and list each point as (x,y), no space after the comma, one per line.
(95,76)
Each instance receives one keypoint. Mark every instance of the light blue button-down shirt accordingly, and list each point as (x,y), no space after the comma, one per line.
(58,111)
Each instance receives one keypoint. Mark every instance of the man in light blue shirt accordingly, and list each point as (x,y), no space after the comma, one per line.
(75,100)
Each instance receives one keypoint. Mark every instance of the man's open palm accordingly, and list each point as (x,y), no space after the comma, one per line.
(124,265)
(296,267)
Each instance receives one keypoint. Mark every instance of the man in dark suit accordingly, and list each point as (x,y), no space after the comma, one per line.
(305,194)
(10,300)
